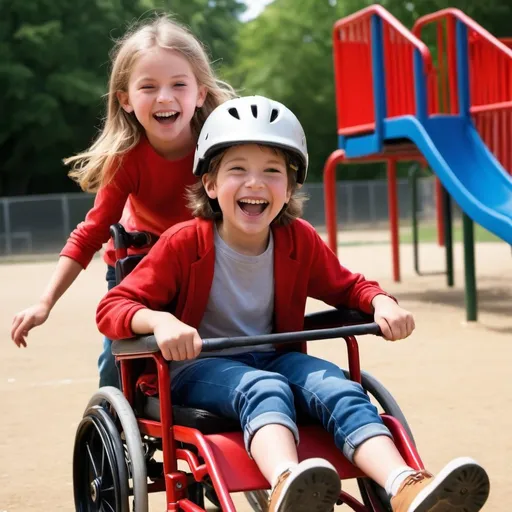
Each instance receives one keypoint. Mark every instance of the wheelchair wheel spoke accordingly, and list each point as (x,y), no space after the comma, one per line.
(107,480)
(107,507)
(103,453)
(108,497)
(93,463)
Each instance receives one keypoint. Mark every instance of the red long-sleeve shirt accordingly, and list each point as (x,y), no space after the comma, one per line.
(147,193)
(179,271)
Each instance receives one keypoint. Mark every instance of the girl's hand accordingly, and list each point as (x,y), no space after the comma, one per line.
(177,341)
(26,320)
(395,322)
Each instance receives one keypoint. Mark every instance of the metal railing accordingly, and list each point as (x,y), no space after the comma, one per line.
(41,224)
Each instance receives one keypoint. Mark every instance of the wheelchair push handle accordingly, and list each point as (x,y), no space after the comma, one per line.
(290,337)
(127,239)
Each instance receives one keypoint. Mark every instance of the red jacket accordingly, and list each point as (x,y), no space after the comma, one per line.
(178,271)
(147,193)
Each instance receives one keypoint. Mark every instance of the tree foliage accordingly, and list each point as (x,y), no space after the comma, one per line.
(54,66)
(286,53)
(53,73)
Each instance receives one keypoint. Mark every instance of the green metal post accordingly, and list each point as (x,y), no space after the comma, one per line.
(469,268)
(413,174)
(448,236)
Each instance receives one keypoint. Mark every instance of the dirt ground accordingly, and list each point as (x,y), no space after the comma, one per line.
(451,379)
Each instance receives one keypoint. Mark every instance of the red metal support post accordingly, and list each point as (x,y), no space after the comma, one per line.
(330,197)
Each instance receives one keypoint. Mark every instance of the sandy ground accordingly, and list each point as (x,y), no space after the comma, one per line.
(451,379)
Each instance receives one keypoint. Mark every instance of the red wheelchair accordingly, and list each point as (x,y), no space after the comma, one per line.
(128,444)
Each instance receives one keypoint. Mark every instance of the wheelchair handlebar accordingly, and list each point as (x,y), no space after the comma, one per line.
(148,344)
(290,337)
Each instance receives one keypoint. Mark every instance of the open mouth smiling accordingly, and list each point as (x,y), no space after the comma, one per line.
(253,207)
(166,117)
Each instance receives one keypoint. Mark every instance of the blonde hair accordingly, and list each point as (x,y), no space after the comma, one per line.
(121,132)
(204,207)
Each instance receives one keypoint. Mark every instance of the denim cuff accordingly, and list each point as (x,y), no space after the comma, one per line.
(268,418)
(362,434)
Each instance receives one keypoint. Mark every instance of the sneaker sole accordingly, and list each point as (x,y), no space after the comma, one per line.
(315,489)
(462,486)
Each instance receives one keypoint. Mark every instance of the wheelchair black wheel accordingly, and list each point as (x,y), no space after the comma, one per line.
(100,477)
(369,490)
(114,402)
(386,400)
(258,500)
(210,494)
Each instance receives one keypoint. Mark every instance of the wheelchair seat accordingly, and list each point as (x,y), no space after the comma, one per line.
(205,421)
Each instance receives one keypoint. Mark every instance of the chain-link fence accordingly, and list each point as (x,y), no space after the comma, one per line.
(41,224)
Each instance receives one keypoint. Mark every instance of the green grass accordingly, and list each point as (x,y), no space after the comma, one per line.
(428,233)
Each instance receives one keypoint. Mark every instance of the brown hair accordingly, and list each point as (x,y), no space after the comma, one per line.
(204,207)
(96,166)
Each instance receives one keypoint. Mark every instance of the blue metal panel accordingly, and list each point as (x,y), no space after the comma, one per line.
(462,68)
(420,86)
(378,73)
(363,145)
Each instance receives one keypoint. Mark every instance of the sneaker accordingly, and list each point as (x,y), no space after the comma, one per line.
(462,485)
(312,486)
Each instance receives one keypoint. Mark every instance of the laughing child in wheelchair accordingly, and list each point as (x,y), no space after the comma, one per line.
(245,266)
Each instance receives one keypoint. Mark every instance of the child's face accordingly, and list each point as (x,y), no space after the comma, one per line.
(251,187)
(163,93)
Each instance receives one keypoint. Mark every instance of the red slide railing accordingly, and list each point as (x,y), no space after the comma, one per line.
(354,76)
(507,41)
(490,76)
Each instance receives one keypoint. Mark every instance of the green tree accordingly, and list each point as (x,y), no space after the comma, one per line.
(53,73)
(214,22)
(286,53)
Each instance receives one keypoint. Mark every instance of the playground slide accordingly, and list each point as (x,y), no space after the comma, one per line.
(465,166)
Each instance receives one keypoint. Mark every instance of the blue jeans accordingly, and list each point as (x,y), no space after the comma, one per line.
(109,375)
(262,388)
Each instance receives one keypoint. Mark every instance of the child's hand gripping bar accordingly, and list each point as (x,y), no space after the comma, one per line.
(290,337)
(148,345)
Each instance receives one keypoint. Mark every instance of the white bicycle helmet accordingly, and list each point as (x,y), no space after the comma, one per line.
(251,119)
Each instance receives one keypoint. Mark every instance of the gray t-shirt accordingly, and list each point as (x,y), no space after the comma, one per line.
(241,301)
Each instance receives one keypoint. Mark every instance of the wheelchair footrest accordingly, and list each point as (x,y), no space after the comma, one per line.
(241,474)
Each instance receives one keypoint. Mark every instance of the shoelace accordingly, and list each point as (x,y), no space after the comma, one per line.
(417,477)
(280,480)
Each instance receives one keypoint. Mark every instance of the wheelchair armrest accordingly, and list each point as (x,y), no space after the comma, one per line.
(336,317)
(133,346)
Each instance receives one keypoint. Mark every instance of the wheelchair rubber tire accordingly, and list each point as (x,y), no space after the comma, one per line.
(390,406)
(211,496)
(258,500)
(113,397)
(99,479)
(386,400)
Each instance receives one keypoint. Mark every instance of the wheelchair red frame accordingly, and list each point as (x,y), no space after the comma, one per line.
(221,456)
